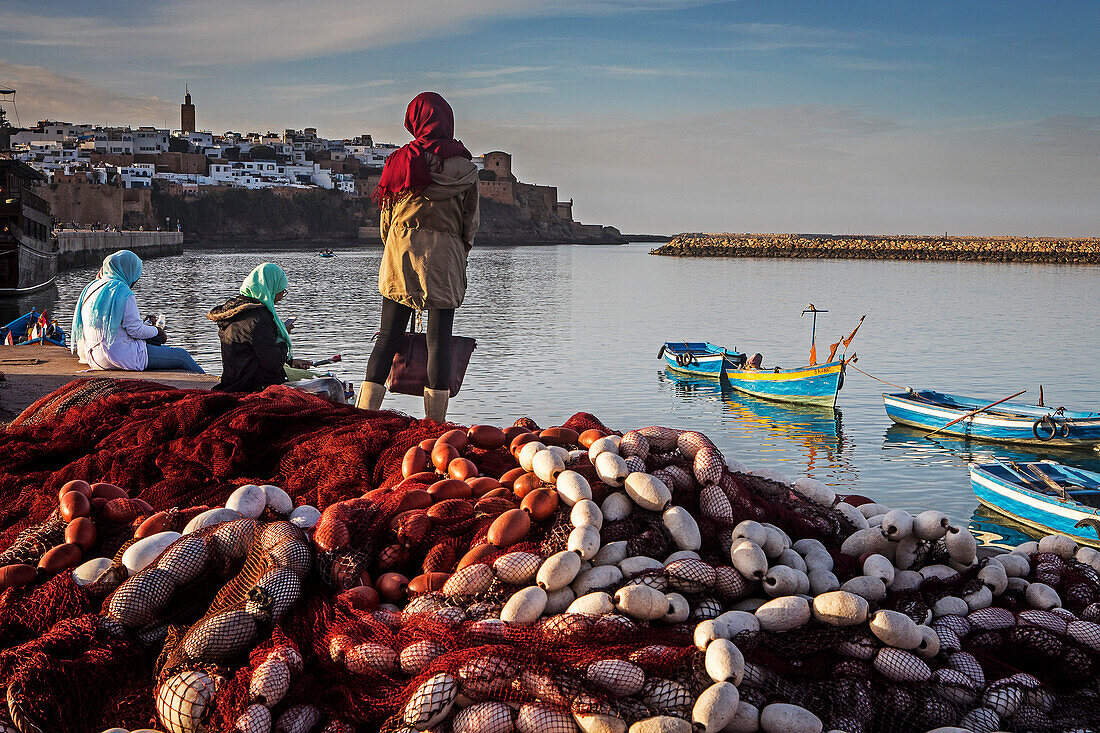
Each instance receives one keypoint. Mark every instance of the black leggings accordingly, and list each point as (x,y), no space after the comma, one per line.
(395,321)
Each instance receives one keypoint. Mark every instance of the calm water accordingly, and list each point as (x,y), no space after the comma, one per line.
(563,329)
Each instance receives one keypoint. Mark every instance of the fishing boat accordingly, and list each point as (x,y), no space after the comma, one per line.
(1046,497)
(328,253)
(809,385)
(1007,422)
(28,249)
(699,358)
(32,328)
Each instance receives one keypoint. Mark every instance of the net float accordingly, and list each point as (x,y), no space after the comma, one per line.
(418,655)
(482,485)
(143,552)
(74,504)
(477,554)
(90,572)
(248,500)
(930,525)
(363,597)
(124,511)
(414,499)
(526,453)
(458,438)
(152,525)
(392,587)
(585,541)
(298,719)
(183,701)
(17,574)
(558,570)
(449,488)
(77,485)
(786,718)
(525,484)
(331,535)
(442,455)
(559,436)
(138,600)
(416,460)
(515,445)
(643,489)
(270,682)
(417,481)
(428,582)
(715,707)
(540,504)
(471,580)
(462,469)
(601,576)
(255,719)
(783,614)
(486,437)
(59,558)
(572,487)
(427,444)
(509,477)
(524,607)
(496,502)
(81,532)
(431,702)
(588,437)
(509,528)
(641,602)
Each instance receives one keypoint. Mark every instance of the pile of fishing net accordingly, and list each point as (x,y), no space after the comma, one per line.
(196,561)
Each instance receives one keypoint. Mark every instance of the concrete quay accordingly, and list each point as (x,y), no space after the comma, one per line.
(31,372)
(86,247)
(895,247)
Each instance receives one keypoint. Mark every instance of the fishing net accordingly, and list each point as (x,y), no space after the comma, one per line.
(252,622)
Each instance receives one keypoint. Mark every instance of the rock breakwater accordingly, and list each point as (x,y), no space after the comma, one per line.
(898,247)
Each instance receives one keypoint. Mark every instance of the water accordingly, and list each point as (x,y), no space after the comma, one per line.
(563,329)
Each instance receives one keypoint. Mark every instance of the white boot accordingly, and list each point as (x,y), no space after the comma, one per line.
(435,403)
(370,396)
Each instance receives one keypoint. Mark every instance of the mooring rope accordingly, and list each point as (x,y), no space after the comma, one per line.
(872,376)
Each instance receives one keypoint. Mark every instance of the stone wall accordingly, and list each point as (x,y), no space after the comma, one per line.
(82,248)
(897,247)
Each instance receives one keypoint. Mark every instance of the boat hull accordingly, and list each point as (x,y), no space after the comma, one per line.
(814,385)
(26,266)
(998,428)
(697,359)
(1039,512)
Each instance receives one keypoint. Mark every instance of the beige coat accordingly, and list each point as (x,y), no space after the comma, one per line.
(427,238)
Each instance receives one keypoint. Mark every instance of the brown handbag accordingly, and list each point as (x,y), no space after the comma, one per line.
(409,373)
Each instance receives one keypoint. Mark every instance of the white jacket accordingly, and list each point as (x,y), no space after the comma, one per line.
(128,351)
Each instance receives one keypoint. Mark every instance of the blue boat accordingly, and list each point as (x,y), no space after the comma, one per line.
(808,385)
(698,358)
(23,332)
(1008,422)
(1045,497)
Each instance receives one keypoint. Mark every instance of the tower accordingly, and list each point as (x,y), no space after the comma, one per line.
(187,113)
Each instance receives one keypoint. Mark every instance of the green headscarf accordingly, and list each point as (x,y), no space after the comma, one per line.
(263,284)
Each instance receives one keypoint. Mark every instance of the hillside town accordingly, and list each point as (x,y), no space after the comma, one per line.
(107,175)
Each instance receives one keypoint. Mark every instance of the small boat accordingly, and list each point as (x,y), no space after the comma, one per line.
(808,385)
(329,253)
(1008,422)
(32,328)
(1045,497)
(698,358)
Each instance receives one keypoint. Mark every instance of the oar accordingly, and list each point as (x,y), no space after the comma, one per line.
(972,413)
(330,360)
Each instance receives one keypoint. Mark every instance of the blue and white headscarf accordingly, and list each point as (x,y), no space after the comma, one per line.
(107,296)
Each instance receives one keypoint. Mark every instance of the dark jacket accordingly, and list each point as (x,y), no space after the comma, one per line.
(252,355)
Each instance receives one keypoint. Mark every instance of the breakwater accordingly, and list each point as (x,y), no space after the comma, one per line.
(81,248)
(898,247)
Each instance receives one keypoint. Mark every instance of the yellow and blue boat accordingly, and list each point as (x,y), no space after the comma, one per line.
(808,385)
(698,358)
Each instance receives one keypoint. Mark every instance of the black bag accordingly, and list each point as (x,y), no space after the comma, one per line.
(409,373)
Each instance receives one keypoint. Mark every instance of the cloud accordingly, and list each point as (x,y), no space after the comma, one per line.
(644,71)
(772,37)
(317,90)
(211,32)
(54,96)
(486,73)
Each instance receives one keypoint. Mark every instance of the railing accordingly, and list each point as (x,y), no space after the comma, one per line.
(35,201)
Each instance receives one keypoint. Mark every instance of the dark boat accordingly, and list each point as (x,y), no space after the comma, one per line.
(28,250)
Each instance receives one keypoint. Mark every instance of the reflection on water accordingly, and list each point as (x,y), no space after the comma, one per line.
(998,530)
(563,329)
(810,433)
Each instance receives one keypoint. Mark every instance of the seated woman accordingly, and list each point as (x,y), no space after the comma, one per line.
(255,342)
(108,332)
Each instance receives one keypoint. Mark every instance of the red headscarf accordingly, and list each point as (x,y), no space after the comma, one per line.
(431,122)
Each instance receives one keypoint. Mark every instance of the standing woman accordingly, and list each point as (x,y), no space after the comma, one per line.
(108,332)
(429,216)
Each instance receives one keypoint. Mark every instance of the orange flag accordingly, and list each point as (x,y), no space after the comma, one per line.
(833,348)
(813,354)
(852,335)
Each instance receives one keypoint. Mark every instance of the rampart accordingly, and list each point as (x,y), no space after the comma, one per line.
(83,248)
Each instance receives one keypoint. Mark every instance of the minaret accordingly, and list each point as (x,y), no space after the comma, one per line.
(187,112)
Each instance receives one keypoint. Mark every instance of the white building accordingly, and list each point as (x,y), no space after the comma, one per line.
(114,141)
(374,155)
(150,140)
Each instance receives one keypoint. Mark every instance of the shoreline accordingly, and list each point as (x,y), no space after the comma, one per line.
(1054,250)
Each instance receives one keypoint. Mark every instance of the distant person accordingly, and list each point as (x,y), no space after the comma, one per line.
(429,215)
(108,332)
(755,362)
(256,350)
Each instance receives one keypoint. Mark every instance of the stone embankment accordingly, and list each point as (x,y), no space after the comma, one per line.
(898,247)
(83,247)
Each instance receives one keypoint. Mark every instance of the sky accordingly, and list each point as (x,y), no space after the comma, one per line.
(655,116)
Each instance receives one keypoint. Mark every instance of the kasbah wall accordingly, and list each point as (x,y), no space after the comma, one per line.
(108,205)
(536,202)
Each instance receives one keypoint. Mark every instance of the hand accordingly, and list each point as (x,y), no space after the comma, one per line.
(162,334)
(301,363)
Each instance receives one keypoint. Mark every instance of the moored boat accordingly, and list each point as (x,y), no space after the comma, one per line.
(1008,422)
(28,250)
(32,328)
(1046,497)
(699,358)
(809,385)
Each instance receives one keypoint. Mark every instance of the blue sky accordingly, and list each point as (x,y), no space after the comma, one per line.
(662,115)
